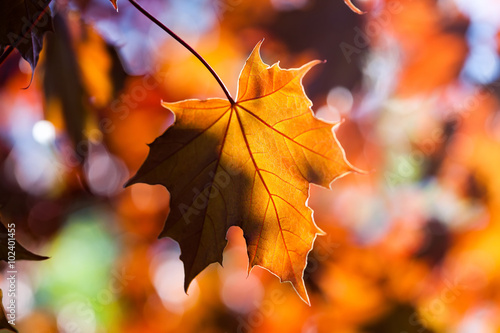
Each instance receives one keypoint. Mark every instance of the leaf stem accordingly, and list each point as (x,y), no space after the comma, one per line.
(187,46)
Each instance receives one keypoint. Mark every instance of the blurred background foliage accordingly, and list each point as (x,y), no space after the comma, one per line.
(411,247)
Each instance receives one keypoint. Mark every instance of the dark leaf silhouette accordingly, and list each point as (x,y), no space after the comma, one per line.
(20,252)
(23,24)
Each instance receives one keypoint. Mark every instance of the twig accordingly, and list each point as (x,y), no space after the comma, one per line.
(187,46)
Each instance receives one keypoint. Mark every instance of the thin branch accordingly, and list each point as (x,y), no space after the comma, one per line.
(187,46)
(6,53)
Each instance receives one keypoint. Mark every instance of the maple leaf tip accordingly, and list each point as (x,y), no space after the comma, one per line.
(115,6)
(307,67)
(320,232)
(129,182)
(361,171)
(354,8)
(256,49)
(32,76)
(304,296)
(186,285)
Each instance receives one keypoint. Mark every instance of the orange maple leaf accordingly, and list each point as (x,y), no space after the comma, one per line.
(247,164)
